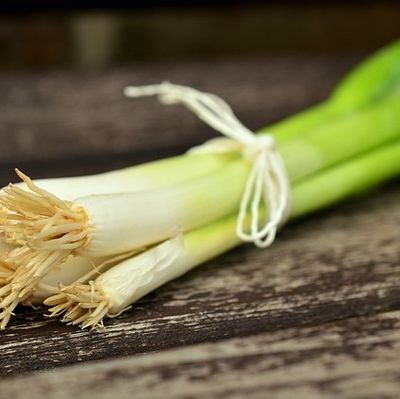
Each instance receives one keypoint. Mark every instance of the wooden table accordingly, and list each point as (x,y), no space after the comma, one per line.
(316,315)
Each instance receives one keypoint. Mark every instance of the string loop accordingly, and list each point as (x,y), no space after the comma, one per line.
(267,184)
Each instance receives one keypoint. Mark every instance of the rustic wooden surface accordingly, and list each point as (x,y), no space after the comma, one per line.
(353,358)
(314,315)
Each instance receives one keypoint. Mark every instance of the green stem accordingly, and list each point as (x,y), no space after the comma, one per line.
(342,139)
(347,179)
(301,124)
(375,79)
(327,188)
(220,192)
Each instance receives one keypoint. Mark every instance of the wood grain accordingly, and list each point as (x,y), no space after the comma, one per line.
(355,358)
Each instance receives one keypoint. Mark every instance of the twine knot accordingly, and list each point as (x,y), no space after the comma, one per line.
(264,143)
(267,184)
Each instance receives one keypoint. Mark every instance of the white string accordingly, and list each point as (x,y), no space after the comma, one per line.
(267,184)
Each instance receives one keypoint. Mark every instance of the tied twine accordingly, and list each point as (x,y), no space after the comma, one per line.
(267,183)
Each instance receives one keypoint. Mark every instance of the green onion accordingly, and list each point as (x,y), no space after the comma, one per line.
(50,229)
(109,214)
(86,303)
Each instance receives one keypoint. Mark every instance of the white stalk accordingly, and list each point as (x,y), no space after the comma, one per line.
(147,176)
(125,221)
(75,269)
(63,275)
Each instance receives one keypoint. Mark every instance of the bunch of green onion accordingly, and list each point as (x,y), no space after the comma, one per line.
(89,247)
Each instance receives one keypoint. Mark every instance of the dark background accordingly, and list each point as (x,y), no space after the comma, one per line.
(96,34)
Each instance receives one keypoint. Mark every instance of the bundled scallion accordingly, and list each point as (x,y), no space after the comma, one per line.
(179,212)
(88,302)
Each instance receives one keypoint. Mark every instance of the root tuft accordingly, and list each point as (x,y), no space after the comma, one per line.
(83,304)
(44,229)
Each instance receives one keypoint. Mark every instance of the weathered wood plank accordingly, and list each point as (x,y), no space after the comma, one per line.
(339,264)
(68,116)
(355,358)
